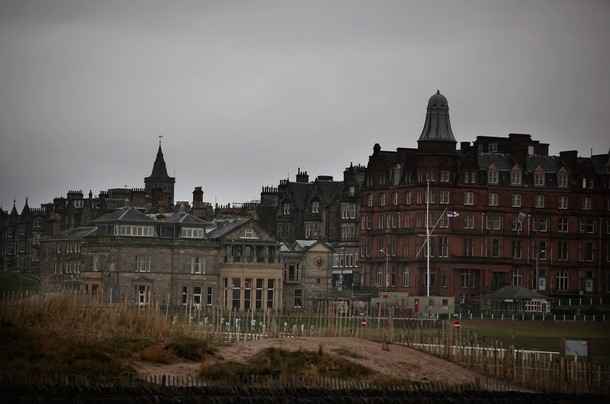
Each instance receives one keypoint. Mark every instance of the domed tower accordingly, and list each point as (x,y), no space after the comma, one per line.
(437,136)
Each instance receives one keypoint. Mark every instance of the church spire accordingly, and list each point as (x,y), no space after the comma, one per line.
(159,169)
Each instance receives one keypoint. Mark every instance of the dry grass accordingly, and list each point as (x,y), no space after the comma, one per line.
(69,335)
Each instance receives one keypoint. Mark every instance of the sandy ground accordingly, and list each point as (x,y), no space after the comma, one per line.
(400,362)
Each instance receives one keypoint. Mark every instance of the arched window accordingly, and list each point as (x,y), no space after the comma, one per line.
(286,209)
(492,174)
(515,176)
(315,207)
(539,177)
(562,178)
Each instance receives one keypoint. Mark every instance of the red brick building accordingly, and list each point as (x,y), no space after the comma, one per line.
(502,210)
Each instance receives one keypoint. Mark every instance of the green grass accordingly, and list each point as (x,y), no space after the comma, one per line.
(545,335)
(18,282)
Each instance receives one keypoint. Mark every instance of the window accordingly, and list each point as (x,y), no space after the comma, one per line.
(395,198)
(515,176)
(562,178)
(516,200)
(540,201)
(586,203)
(444,246)
(444,198)
(492,175)
(142,295)
(270,290)
(315,207)
(197,265)
(587,225)
(419,197)
(191,232)
(493,199)
(469,222)
(382,200)
(133,231)
(370,201)
(517,223)
(298,298)
(562,250)
(247,294)
(563,202)
(312,230)
(494,222)
(563,224)
(409,198)
(493,147)
(294,272)
(396,174)
(406,278)
(236,293)
(444,176)
(530,150)
(286,209)
(259,293)
(470,177)
(443,221)
(588,250)
(467,279)
(197,296)
(143,264)
(210,296)
(539,177)
(540,223)
(542,250)
(379,279)
(468,198)
(467,247)
(516,249)
(562,280)
(517,279)
(495,248)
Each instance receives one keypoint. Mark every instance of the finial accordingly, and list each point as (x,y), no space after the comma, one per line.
(160,137)
(438,91)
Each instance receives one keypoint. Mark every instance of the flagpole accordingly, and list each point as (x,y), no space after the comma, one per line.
(428,237)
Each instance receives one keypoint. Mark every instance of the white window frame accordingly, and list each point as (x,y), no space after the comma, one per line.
(468,198)
(516,200)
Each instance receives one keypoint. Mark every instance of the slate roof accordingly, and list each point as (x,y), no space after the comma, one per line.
(125,215)
(180,217)
(223,229)
(548,163)
(503,162)
(159,169)
(78,233)
(301,194)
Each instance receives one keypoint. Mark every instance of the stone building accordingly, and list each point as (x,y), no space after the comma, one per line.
(503,212)
(307,274)
(324,210)
(166,258)
(160,185)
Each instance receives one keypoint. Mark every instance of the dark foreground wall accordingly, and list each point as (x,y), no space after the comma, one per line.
(236,394)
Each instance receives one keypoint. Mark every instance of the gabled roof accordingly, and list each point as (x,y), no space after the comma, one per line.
(125,215)
(302,245)
(223,229)
(180,217)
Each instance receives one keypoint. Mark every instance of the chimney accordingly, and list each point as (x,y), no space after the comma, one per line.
(302,177)
(197,197)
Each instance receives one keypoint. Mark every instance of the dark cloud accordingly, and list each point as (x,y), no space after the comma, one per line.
(246,92)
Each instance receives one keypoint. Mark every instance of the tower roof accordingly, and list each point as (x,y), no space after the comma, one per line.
(159,170)
(437,127)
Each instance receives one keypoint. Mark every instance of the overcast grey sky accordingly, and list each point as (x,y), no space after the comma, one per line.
(246,91)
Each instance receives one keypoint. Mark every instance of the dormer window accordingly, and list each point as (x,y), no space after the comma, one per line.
(492,175)
(515,176)
(493,147)
(191,232)
(315,207)
(562,178)
(286,209)
(539,177)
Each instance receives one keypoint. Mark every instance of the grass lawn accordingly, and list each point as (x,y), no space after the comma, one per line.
(18,282)
(545,335)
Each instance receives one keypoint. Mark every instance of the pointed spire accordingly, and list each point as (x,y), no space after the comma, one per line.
(159,169)
(14,210)
(26,208)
